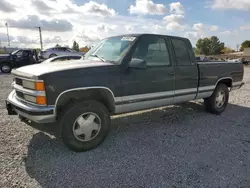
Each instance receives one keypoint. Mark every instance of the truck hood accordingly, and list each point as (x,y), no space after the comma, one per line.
(33,71)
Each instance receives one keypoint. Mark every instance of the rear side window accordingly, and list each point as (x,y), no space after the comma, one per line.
(61,49)
(181,52)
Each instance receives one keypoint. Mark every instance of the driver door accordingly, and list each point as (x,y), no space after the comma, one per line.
(153,86)
(17,58)
(25,58)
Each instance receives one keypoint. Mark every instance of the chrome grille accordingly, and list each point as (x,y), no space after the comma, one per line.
(19,94)
(18,81)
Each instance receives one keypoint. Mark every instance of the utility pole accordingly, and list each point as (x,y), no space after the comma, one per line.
(237,47)
(8,34)
(41,40)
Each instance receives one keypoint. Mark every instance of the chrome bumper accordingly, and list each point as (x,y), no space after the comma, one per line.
(38,114)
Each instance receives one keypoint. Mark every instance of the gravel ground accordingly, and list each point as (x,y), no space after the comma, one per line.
(176,146)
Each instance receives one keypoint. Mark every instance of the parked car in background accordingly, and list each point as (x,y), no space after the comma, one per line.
(234,60)
(201,58)
(245,61)
(58,51)
(18,58)
(62,58)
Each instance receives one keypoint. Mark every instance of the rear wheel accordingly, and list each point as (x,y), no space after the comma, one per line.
(217,103)
(85,125)
(5,68)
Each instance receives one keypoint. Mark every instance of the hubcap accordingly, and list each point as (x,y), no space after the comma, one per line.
(87,126)
(220,99)
(5,68)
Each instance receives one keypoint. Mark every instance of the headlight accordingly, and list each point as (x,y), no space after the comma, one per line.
(41,100)
(34,85)
(29,98)
(29,84)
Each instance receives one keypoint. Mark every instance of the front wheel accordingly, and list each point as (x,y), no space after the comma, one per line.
(5,68)
(85,125)
(218,101)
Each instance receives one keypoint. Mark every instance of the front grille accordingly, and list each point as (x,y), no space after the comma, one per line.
(18,81)
(19,94)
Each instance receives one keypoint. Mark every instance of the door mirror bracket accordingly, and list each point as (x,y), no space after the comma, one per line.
(138,63)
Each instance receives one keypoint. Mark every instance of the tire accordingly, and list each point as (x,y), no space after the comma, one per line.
(5,68)
(52,55)
(215,104)
(81,112)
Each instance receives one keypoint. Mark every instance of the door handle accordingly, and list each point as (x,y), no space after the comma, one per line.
(171,73)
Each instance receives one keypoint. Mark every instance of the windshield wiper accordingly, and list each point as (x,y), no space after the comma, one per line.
(101,58)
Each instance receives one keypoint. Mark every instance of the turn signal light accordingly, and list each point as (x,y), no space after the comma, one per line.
(39,86)
(41,100)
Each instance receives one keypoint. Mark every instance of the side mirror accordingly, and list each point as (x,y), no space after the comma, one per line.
(138,63)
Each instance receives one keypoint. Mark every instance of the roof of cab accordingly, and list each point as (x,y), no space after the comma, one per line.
(141,34)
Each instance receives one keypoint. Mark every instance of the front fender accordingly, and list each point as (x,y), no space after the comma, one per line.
(102,94)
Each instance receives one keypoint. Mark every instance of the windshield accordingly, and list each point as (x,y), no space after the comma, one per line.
(111,49)
(70,50)
(14,52)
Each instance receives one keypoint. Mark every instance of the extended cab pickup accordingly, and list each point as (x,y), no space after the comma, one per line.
(120,74)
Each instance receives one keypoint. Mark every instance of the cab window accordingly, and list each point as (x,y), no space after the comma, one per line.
(153,50)
(181,52)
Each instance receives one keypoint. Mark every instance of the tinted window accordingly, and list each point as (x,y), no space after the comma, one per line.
(181,52)
(69,50)
(153,49)
(61,49)
(26,53)
(19,53)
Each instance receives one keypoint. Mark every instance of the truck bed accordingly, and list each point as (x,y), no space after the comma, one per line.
(211,72)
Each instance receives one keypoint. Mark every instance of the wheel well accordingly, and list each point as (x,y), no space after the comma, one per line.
(102,95)
(52,55)
(227,82)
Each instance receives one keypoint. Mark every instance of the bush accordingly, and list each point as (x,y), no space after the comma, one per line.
(2,51)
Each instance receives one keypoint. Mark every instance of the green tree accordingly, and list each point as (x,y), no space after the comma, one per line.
(227,50)
(202,46)
(215,46)
(75,46)
(245,44)
(57,45)
(2,51)
(209,46)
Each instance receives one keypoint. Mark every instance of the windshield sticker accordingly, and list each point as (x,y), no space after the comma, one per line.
(128,38)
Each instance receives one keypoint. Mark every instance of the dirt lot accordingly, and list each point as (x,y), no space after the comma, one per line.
(177,146)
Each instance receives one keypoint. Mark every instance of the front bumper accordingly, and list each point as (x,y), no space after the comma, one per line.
(38,114)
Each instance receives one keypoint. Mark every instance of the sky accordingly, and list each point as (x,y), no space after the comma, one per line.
(87,22)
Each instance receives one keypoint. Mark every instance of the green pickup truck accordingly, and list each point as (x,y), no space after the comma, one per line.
(120,74)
